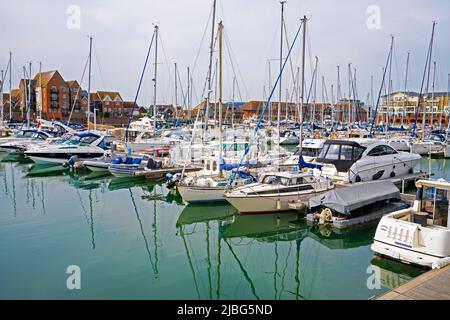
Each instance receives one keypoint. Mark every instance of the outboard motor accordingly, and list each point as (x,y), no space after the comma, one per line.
(71,161)
(171,180)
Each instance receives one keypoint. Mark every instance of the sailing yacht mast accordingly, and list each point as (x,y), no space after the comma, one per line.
(1,99)
(10,87)
(176,94)
(406,85)
(155,76)
(432,95)
(211,52)
(40,90)
(29,97)
(281,66)
(302,91)
(220,97)
(89,82)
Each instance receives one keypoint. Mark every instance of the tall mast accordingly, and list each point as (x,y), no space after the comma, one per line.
(428,78)
(349,115)
(389,84)
(302,90)
(89,82)
(270,89)
(339,94)
(220,96)
(432,95)
(1,99)
(281,66)
(406,86)
(176,93)
(215,92)
(313,109)
(40,90)
(155,76)
(233,103)
(29,97)
(372,101)
(25,97)
(211,52)
(10,86)
(448,105)
(189,92)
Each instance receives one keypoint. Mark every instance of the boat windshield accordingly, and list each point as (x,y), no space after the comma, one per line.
(80,140)
(435,203)
(341,152)
(23,134)
(39,136)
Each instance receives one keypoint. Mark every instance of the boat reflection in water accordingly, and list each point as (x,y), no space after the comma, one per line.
(394,274)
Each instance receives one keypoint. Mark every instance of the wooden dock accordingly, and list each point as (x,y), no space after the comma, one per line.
(432,285)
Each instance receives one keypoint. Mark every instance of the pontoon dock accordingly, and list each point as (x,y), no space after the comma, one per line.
(432,285)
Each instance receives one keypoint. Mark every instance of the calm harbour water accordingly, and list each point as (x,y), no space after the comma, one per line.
(134,239)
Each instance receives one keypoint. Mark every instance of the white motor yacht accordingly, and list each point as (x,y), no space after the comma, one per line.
(358,160)
(418,235)
(276,190)
(84,145)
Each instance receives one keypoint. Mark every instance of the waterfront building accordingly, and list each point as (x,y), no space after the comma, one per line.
(401,107)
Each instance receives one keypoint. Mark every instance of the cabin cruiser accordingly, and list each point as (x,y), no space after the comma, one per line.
(310,150)
(19,135)
(84,145)
(435,145)
(419,235)
(19,146)
(399,143)
(288,137)
(275,190)
(358,160)
(147,139)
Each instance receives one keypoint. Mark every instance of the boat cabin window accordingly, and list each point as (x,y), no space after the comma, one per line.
(341,152)
(146,135)
(435,203)
(276,180)
(381,151)
(81,140)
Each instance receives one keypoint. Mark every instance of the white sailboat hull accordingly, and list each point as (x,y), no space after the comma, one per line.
(201,194)
(424,148)
(267,203)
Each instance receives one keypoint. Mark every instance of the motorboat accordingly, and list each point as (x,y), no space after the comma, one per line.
(276,190)
(288,137)
(19,135)
(361,203)
(435,145)
(420,234)
(399,143)
(20,145)
(310,150)
(83,145)
(360,160)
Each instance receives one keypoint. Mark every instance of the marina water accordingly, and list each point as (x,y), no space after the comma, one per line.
(135,239)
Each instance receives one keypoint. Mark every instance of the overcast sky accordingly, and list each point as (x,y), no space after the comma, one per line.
(337,31)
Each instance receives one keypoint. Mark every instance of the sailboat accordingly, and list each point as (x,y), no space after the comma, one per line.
(212,185)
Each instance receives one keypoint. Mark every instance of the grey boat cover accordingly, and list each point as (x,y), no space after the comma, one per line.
(344,200)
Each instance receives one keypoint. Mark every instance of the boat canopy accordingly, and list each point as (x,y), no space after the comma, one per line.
(344,200)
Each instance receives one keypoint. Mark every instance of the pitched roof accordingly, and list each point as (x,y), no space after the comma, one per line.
(112,94)
(72,83)
(44,77)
